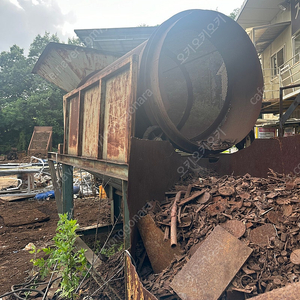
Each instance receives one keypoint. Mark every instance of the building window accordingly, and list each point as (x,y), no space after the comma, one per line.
(277,61)
(297,48)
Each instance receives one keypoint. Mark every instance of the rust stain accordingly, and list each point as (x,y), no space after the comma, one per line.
(116,120)
(73,125)
(91,122)
(134,287)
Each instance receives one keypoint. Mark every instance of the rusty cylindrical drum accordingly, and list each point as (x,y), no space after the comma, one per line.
(203,80)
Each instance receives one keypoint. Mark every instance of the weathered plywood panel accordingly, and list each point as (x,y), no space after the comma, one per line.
(117,130)
(91,121)
(73,125)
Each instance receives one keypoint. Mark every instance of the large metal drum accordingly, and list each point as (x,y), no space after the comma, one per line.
(203,81)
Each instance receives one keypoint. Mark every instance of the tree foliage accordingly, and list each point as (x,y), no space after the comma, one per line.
(234,14)
(27,100)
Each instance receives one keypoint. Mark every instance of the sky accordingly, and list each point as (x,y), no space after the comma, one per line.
(22,20)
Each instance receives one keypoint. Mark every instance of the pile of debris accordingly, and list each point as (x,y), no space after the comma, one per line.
(229,237)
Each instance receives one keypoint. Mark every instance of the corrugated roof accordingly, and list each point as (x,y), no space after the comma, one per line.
(255,13)
(120,40)
(265,35)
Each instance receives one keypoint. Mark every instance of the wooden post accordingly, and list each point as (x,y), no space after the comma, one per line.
(67,190)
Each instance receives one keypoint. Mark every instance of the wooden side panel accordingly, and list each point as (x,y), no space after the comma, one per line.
(117,127)
(73,125)
(91,121)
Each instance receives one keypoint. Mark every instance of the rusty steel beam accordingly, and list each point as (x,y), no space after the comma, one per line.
(96,166)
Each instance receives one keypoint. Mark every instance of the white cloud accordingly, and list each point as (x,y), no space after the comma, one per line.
(22,20)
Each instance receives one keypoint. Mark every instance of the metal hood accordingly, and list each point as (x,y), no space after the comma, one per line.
(68,65)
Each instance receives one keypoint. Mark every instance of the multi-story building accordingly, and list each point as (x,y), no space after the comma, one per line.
(274,28)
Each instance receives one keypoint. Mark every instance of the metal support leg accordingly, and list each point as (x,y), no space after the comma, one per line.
(115,204)
(125,216)
(67,187)
(28,182)
(57,188)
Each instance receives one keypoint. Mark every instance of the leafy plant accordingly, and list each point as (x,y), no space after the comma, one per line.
(63,257)
(112,250)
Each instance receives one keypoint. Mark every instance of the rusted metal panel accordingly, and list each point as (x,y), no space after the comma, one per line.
(116,132)
(152,171)
(73,124)
(134,287)
(280,154)
(209,271)
(91,121)
(96,166)
(41,140)
(289,292)
(67,65)
(159,251)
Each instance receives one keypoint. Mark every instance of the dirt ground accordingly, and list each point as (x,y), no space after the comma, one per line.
(15,263)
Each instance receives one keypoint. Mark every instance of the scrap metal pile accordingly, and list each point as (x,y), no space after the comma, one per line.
(223,237)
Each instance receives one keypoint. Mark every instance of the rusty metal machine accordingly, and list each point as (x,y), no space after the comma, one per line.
(143,120)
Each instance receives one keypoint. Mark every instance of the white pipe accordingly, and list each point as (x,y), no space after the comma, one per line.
(20,182)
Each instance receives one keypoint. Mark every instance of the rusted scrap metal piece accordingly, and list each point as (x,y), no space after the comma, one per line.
(226,190)
(205,198)
(185,222)
(235,227)
(194,196)
(289,292)
(188,191)
(275,217)
(261,235)
(209,271)
(134,287)
(167,233)
(218,207)
(290,185)
(234,295)
(287,210)
(174,220)
(244,195)
(283,201)
(159,252)
(295,257)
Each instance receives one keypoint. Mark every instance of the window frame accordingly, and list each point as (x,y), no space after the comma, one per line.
(275,71)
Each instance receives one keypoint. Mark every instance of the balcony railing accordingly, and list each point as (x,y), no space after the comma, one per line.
(284,75)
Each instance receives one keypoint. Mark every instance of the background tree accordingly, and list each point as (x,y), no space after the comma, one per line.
(234,14)
(27,100)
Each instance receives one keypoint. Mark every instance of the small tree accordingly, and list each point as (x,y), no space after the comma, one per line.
(69,262)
